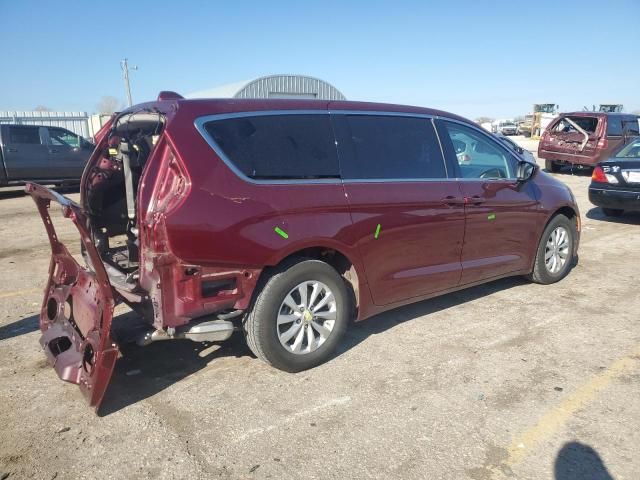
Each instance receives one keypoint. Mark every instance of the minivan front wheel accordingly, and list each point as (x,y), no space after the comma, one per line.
(299,316)
(554,257)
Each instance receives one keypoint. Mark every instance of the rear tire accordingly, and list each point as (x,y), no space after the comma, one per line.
(555,254)
(613,212)
(270,320)
(551,166)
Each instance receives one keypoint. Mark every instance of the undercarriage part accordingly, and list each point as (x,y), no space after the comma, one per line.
(207,331)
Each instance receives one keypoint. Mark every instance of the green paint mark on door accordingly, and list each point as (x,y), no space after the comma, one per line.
(281,232)
(375,235)
(491,216)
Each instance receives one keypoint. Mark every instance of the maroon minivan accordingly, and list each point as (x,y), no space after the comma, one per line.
(286,219)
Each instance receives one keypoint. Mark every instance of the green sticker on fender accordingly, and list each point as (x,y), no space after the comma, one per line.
(491,216)
(281,232)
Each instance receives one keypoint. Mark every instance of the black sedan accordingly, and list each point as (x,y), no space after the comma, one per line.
(615,183)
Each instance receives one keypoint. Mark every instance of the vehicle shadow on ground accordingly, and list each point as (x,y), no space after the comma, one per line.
(142,372)
(576,172)
(360,331)
(20,327)
(629,218)
(577,461)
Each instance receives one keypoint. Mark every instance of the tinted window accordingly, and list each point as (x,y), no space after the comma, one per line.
(478,156)
(62,137)
(24,135)
(632,150)
(614,126)
(631,126)
(390,147)
(278,146)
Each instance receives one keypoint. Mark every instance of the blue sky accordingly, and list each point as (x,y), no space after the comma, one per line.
(461,56)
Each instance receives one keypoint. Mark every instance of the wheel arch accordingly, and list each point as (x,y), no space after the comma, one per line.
(572,214)
(345,264)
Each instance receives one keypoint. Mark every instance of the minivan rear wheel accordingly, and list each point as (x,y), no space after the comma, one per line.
(555,254)
(552,166)
(299,316)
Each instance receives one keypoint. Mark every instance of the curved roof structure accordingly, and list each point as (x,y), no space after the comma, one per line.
(274,86)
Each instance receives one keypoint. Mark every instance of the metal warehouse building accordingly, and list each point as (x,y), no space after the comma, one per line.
(274,86)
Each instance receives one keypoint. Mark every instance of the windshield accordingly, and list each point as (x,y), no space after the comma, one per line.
(632,150)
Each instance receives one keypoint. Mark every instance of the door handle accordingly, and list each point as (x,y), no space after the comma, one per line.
(12,150)
(452,201)
(475,200)
(53,150)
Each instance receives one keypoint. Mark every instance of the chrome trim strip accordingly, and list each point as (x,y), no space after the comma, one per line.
(347,181)
(613,190)
(200,121)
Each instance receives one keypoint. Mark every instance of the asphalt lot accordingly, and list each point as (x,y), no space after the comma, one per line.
(506,380)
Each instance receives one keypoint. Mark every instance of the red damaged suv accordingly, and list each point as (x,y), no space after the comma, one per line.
(286,219)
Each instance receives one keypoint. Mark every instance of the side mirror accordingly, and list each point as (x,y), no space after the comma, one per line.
(524,171)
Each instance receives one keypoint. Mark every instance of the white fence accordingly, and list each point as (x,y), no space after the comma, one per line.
(77,122)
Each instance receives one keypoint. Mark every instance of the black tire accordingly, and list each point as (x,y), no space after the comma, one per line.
(551,166)
(260,323)
(613,212)
(541,273)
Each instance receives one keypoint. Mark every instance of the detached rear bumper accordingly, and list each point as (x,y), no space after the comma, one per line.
(78,304)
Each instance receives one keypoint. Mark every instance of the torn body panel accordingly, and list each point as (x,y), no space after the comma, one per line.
(78,304)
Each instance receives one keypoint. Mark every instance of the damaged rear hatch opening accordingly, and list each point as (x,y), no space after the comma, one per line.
(79,300)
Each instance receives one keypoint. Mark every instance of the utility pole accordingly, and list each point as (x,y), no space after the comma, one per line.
(124,64)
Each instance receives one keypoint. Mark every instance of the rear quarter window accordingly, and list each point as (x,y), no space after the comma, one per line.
(294,146)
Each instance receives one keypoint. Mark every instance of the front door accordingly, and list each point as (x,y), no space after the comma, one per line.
(66,153)
(408,216)
(501,214)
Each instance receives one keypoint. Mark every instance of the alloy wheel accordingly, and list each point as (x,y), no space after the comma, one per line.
(556,252)
(306,317)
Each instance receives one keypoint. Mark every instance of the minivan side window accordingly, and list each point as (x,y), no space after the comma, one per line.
(477,155)
(24,135)
(293,146)
(389,147)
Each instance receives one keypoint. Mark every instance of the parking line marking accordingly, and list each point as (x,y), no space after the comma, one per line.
(553,420)
(20,292)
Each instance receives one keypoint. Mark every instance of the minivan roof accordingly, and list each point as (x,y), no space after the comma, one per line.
(200,107)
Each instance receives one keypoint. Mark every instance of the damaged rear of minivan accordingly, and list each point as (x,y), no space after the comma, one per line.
(133,181)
